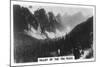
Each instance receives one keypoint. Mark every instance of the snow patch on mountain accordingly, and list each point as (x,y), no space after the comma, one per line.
(38,35)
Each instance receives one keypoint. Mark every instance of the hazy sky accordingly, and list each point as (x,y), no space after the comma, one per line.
(63,10)
(58,8)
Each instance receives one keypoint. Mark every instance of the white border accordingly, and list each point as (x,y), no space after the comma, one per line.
(49,4)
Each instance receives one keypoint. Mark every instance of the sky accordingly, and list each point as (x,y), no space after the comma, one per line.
(62,10)
(58,8)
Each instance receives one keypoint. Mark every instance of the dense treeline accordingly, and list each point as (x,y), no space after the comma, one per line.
(81,37)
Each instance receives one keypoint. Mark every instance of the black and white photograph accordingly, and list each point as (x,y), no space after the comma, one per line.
(45,33)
